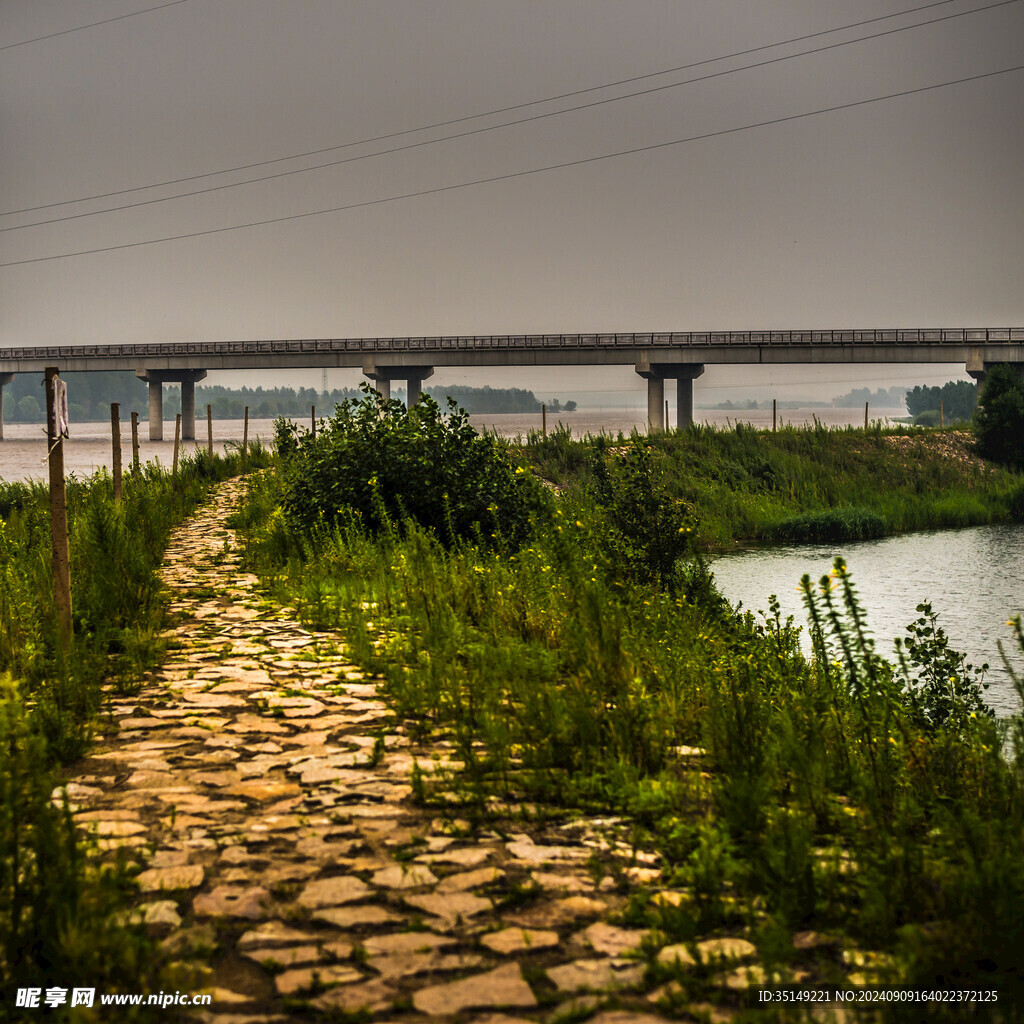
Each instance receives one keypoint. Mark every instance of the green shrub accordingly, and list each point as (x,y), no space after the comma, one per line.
(375,463)
(650,528)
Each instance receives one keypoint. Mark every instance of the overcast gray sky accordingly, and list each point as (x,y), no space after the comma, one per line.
(903,212)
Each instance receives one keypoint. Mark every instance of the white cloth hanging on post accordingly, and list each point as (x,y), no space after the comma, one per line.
(60,407)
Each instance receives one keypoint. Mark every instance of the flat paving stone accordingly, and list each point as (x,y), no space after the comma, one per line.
(519,940)
(184,876)
(333,892)
(502,987)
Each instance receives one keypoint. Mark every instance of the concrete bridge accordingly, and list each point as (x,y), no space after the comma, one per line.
(657,357)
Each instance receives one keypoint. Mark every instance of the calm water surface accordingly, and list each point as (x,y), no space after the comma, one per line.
(23,453)
(974,579)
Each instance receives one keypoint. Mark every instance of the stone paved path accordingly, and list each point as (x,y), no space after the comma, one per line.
(265,786)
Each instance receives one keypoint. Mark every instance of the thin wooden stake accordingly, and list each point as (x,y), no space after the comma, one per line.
(58,514)
(245,434)
(773,414)
(135,441)
(312,420)
(209,430)
(115,440)
(666,414)
(865,415)
(544,419)
(177,441)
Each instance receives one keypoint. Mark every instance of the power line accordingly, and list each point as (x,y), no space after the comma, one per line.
(506,124)
(488,113)
(582,161)
(92,24)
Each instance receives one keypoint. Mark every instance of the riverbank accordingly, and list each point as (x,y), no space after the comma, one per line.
(746,486)
(848,819)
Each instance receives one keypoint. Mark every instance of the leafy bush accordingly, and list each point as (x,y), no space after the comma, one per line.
(375,463)
(999,418)
(651,530)
(940,687)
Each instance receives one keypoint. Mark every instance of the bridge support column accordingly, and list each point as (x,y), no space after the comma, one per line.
(655,404)
(156,380)
(656,374)
(5,378)
(684,402)
(156,410)
(188,410)
(382,376)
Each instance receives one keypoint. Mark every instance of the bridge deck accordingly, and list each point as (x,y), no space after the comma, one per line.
(892,345)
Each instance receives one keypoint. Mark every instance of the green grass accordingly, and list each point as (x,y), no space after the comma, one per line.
(839,793)
(748,485)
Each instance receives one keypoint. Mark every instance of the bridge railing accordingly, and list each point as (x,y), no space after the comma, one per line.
(684,339)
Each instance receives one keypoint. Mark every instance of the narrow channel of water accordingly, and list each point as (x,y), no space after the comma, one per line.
(974,579)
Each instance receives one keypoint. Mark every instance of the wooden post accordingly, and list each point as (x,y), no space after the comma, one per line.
(666,414)
(312,420)
(135,441)
(58,514)
(177,441)
(544,419)
(245,433)
(865,415)
(941,423)
(115,438)
(773,414)
(209,430)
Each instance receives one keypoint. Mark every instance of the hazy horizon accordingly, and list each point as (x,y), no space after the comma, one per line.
(900,212)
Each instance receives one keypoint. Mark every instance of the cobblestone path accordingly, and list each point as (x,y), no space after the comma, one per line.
(265,786)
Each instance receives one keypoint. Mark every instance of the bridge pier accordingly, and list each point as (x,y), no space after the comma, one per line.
(382,376)
(978,367)
(5,378)
(656,374)
(156,380)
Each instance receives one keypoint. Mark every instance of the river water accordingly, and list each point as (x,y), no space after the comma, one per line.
(23,453)
(974,579)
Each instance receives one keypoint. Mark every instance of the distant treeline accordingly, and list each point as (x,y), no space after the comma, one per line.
(752,404)
(884,398)
(958,399)
(90,394)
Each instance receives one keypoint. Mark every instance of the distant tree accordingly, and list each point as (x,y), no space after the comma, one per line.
(569,406)
(29,410)
(957,399)
(999,418)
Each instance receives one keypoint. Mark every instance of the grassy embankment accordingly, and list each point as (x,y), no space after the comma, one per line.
(793,485)
(575,652)
(60,906)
